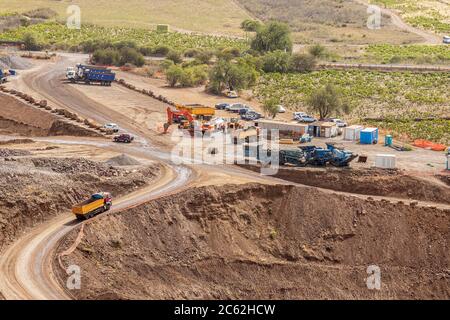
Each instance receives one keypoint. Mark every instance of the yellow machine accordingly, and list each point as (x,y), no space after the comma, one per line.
(97,203)
(197,110)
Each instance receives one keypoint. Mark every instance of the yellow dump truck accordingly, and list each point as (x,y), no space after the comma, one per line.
(97,203)
(197,110)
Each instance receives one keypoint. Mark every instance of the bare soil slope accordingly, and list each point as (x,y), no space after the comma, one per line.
(19,118)
(260,242)
(34,189)
(376,182)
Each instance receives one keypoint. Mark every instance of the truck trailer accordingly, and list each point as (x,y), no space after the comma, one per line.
(4,74)
(97,203)
(90,74)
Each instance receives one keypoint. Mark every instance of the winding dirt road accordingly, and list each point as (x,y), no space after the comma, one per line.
(26,270)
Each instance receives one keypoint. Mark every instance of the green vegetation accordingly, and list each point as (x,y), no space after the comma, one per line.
(271,37)
(368,94)
(327,101)
(421,54)
(190,76)
(407,128)
(58,35)
(270,107)
(432,15)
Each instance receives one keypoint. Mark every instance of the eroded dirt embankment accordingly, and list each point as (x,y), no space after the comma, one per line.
(35,189)
(376,182)
(19,118)
(262,242)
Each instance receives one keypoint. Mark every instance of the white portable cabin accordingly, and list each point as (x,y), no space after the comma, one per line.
(352,133)
(385,161)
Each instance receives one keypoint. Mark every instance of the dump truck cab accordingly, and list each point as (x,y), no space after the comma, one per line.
(96,204)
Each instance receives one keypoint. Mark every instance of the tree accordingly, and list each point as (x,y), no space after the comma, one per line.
(231,75)
(327,101)
(273,36)
(174,74)
(276,61)
(302,62)
(270,107)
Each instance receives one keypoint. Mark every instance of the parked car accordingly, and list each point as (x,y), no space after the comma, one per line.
(281,109)
(446,39)
(251,116)
(307,119)
(112,127)
(244,110)
(222,106)
(340,123)
(124,138)
(231,94)
(299,114)
(235,107)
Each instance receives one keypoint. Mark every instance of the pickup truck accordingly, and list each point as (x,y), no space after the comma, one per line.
(97,203)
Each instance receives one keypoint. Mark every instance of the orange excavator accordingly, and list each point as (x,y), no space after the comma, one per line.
(184,119)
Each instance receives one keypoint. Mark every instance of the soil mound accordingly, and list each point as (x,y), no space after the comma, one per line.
(263,242)
(377,182)
(19,118)
(14,62)
(123,160)
(34,189)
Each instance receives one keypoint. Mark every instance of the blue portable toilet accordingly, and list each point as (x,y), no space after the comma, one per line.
(388,140)
(369,136)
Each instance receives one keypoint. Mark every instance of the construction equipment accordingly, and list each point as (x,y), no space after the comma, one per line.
(97,203)
(186,120)
(317,156)
(90,74)
(197,110)
(305,138)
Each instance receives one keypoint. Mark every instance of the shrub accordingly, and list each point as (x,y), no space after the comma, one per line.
(302,62)
(174,75)
(131,55)
(161,50)
(175,56)
(317,51)
(107,56)
(31,43)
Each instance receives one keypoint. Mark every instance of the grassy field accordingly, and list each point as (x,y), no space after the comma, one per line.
(194,15)
(370,94)
(432,15)
(54,33)
(327,21)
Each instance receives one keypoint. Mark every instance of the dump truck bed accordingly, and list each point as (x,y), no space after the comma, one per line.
(88,206)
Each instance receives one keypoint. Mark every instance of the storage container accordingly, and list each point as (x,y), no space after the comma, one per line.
(369,136)
(352,133)
(385,161)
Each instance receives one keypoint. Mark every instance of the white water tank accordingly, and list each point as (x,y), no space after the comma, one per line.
(385,161)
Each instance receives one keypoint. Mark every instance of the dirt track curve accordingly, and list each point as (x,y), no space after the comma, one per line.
(26,266)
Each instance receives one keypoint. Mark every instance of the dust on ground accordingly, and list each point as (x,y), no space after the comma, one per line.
(263,242)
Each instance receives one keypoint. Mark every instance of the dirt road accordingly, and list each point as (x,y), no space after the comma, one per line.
(428,37)
(26,267)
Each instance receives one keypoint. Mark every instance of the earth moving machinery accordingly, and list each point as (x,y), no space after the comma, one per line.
(186,120)
(317,156)
(90,74)
(197,110)
(97,203)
